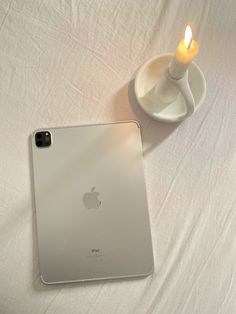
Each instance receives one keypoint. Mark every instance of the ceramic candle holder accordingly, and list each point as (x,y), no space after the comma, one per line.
(164,98)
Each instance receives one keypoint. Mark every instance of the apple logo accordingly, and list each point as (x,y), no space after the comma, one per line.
(91,200)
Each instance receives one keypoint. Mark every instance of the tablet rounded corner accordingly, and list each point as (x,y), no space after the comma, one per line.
(34,132)
(150,270)
(137,123)
(44,281)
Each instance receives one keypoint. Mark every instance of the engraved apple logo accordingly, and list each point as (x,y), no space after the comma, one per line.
(91,199)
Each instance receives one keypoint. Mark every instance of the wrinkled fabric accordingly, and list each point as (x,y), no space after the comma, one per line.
(71,62)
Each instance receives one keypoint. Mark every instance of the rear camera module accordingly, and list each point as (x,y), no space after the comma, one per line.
(43,139)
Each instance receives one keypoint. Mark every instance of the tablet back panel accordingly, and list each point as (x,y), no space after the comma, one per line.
(91,206)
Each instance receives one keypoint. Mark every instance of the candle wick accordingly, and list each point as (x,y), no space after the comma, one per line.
(190,43)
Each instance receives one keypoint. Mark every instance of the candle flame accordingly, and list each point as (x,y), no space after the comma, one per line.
(188,37)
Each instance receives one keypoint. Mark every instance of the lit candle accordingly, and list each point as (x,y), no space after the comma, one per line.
(186,51)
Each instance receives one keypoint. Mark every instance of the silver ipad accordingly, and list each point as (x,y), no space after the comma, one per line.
(91,205)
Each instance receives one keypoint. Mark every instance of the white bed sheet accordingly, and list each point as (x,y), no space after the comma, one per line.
(70,62)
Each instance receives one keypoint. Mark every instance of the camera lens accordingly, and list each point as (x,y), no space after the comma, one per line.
(43,139)
(39,143)
(38,135)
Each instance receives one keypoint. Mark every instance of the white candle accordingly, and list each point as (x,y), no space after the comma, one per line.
(186,51)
